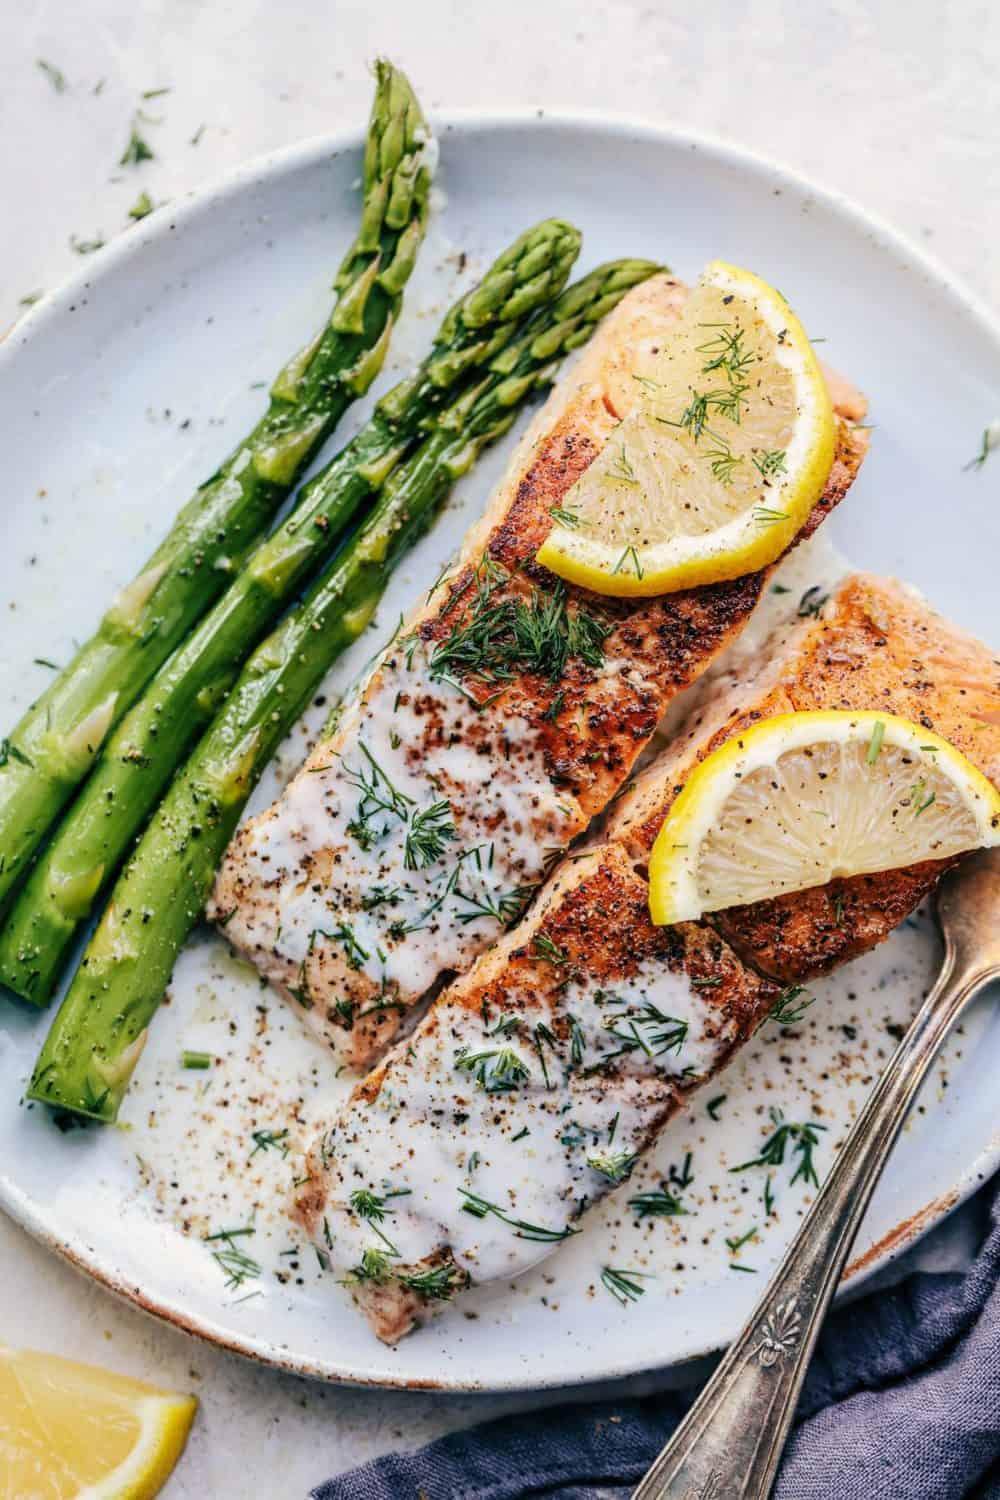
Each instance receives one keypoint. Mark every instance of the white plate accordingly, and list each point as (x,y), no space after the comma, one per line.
(121,392)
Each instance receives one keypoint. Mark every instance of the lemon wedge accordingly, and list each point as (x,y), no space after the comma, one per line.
(74,1432)
(800,799)
(714,469)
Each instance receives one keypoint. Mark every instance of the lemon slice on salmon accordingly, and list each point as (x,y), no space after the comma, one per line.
(800,799)
(74,1432)
(714,469)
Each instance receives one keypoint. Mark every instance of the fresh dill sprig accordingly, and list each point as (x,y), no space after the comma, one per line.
(622,469)
(790,1007)
(368,1205)
(765,515)
(547,948)
(648,1029)
(571,519)
(682,1176)
(658,1203)
(430,831)
(624,1286)
(374,1266)
(500,638)
(630,554)
(736,1244)
(497,1070)
(231,1258)
(803,1138)
(137,150)
(769,462)
(480,1207)
(502,908)
(378,795)
(438,1284)
(270,1140)
(920,800)
(354,953)
(875,743)
(614,1165)
(505,1025)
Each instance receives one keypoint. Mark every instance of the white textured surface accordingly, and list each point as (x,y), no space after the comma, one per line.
(891,102)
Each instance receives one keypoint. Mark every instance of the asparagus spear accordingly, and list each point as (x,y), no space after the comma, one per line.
(52,748)
(139,757)
(98,1034)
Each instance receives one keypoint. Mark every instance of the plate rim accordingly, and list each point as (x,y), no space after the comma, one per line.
(184,213)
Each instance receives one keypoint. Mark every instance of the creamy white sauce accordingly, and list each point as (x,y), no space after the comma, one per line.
(350,896)
(443,1126)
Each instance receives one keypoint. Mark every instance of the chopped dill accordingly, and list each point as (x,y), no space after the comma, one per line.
(480,1207)
(658,1203)
(378,795)
(547,948)
(137,150)
(790,1007)
(430,831)
(231,1258)
(614,1165)
(714,1105)
(561,514)
(501,637)
(769,461)
(624,1286)
(55,75)
(497,1070)
(736,1244)
(437,1284)
(803,1138)
(875,743)
(622,470)
(812,601)
(270,1140)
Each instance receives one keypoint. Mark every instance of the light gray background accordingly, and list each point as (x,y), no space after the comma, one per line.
(895,103)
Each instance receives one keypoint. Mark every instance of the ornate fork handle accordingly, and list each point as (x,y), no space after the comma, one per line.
(730,1443)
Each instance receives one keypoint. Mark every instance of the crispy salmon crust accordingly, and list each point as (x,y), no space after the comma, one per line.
(589,938)
(584,727)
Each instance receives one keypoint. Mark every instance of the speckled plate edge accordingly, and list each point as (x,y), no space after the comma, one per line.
(186,215)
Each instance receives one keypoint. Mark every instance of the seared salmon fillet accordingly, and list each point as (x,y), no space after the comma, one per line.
(533,1082)
(505,714)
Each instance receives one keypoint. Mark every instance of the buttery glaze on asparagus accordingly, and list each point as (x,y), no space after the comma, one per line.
(49,752)
(99,1031)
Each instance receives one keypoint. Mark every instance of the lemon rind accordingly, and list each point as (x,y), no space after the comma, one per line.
(673,890)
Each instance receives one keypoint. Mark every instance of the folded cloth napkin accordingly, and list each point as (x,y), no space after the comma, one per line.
(902,1402)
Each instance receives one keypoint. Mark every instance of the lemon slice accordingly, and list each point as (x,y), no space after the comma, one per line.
(74,1432)
(800,799)
(715,468)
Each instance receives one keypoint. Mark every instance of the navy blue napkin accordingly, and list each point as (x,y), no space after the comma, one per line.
(902,1402)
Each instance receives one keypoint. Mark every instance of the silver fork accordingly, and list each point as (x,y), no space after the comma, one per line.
(730,1443)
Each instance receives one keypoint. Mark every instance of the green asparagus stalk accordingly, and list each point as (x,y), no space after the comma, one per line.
(139,757)
(53,747)
(99,1031)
